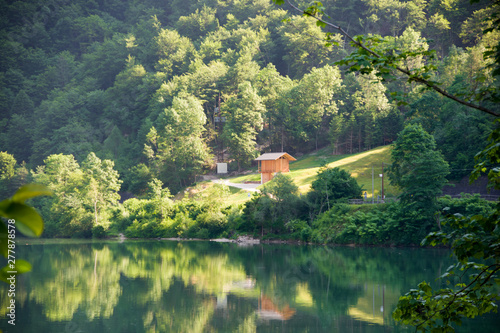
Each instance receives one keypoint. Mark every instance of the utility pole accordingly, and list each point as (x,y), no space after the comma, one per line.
(373,187)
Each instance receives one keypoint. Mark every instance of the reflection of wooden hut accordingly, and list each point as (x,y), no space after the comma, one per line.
(271,163)
(268,310)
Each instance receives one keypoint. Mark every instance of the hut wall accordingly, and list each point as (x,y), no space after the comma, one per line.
(267,166)
(265,177)
(282,165)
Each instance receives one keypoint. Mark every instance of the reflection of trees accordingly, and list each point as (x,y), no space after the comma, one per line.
(83,277)
(337,277)
(181,310)
(21,295)
(92,279)
(169,286)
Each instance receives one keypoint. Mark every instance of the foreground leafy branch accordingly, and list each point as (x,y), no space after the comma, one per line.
(426,309)
(367,58)
(471,238)
(19,217)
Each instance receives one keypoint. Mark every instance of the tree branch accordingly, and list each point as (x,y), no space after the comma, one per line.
(464,289)
(402,70)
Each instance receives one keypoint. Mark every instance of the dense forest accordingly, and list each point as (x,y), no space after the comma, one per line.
(107,96)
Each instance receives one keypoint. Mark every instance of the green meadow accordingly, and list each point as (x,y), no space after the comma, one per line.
(305,169)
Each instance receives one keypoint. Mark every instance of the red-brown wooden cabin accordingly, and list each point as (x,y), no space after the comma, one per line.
(271,163)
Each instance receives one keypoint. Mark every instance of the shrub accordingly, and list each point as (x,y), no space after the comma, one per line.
(202,233)
(184,225)
(98,232)
(332,186)
(215,222)
(299,229)
(467,205)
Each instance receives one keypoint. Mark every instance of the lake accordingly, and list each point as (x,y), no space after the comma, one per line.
(168,286)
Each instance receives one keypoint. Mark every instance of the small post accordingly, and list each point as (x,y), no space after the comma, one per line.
(381,175)
(383,195)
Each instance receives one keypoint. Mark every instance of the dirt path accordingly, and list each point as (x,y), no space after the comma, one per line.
(247,187)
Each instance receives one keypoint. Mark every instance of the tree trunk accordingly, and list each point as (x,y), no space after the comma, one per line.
(359,140)
(350,143)
(95,211)
(282,137)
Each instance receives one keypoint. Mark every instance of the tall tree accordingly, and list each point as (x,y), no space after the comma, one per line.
(101,185)
(272,87)
(176,150)
(304,54)
(198,24)
(312,104)
(173,52)
(7,165)
(65,213)
(160,197)
(418,168)
(244,118)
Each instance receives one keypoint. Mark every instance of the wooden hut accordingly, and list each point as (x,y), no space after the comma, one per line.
(271,163)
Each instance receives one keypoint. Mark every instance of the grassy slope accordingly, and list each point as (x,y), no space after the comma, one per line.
(304,170)
(205,190)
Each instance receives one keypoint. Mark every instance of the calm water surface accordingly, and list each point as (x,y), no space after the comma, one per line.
(164,286)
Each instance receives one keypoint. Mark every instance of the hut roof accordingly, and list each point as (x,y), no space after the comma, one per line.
(275,156)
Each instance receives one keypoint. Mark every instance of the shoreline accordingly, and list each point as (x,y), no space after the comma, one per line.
(241,241)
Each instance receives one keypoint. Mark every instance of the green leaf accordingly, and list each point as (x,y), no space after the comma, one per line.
(28,221)
(21,266)
(3,239)
(29,191)
(321,24)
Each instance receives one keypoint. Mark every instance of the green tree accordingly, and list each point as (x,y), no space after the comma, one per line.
(272,87)
(16,135)
(281,188)
(137,179)
(177,151)
(82,197)
(12,175)
(304,54)
(244,119)
(370,105)
(173,52)
(418,168)
(199,23)
(7,165)
(160,197)
(331,186)
(7,172)
(277,205)
(101,184)
(114,143)
(392,16)
(312,103)
(65,212)
(129,97)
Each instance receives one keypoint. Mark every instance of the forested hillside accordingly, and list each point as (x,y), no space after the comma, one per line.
(162,88)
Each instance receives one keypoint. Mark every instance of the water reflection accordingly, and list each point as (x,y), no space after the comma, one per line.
(210,287)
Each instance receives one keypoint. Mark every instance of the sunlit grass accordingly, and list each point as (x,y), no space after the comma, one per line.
(204,190)
(252,177)
(304,172)
(359,165)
